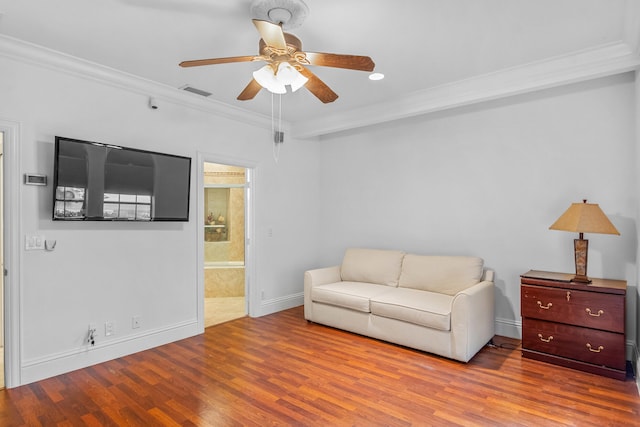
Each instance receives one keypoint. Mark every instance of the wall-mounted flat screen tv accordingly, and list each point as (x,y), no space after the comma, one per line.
(103,182)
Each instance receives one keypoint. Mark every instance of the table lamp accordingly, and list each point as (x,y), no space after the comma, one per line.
(583,218)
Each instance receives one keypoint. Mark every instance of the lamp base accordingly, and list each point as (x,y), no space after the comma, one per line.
(581,248)
(581,279)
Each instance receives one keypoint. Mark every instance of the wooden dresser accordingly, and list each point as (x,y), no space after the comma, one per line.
(576,325)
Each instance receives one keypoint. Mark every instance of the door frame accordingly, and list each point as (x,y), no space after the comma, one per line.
(12,231)
(252,301)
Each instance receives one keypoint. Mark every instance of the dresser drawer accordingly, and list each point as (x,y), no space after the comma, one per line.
(574,307)
(574,342)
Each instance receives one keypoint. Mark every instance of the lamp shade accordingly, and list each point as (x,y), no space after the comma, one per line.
(584,218)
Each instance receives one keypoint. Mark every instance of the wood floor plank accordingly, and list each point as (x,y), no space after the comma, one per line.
(282,370)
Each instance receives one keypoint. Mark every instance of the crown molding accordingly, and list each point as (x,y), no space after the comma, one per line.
(631,25)
(599,61)
(33,54)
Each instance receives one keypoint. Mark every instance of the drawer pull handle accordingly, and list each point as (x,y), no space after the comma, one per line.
(598,314)
(568,295)
(548,339)
(600,348)
(546,307)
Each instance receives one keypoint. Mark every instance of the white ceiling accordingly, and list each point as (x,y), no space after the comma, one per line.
(418,44)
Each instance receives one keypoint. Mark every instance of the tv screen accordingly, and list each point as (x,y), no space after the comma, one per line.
(103,182)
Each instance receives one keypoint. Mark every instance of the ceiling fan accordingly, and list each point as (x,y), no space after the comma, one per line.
(286,61)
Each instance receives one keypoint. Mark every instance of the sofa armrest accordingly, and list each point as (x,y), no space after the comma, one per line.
(322,276)
(487,275)
(473,319)
(319,276)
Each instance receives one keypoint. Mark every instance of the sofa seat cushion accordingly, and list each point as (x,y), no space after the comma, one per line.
(424,308)
(353,295)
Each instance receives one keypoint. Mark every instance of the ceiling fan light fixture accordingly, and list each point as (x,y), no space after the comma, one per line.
(286,75)
(289,76)
(267,79)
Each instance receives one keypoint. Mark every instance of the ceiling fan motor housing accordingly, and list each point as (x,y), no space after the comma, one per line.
(294,44)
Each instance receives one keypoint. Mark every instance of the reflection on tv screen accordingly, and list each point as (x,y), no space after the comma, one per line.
(95,181)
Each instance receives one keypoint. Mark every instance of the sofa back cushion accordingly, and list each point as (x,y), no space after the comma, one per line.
(444,274)
(372,266)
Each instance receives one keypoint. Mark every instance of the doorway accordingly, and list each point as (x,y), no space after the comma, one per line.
(225,206)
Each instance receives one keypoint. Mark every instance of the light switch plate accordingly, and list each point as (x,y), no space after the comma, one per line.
(34,242)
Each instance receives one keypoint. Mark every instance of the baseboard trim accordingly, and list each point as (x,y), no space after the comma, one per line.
(55,364)
(60,363)
(274,305)
(635,362)
(508,328)
(637,369)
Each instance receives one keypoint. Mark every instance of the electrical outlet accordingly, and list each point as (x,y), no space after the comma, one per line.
(136,321)
(91,334)
(109,328)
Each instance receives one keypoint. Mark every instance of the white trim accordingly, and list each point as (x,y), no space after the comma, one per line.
(250,260)
(631,25)
(251,284)
(631,352)
(636,365)
(508,328)
(275,305)
(56,364)
(12,231)
(600,61)
(200,241)
(29,53)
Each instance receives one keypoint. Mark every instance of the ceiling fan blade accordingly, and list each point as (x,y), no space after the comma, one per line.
(250,91)
(212,61)
(318,87)
(351,62)
(271,34)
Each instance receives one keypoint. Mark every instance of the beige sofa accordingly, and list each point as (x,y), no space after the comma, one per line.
(439,304)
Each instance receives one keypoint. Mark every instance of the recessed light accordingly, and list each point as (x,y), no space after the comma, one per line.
(376,76)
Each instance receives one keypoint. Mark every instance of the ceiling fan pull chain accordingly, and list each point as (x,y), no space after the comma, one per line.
(280,133)
(276,131)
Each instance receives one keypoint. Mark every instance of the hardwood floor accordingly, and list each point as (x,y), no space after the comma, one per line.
(281,370)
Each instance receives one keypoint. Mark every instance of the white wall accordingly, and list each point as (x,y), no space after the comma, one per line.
(489,180)
(485,180)
(112,271)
